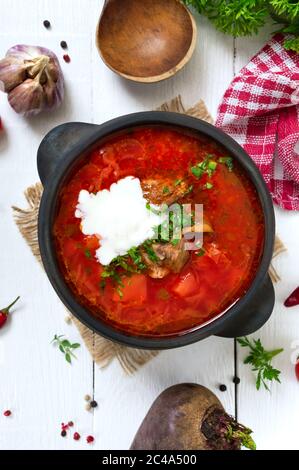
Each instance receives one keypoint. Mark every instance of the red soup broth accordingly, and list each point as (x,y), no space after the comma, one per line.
(211,281)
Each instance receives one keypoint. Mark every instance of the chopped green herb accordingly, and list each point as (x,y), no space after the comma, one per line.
(260,359)
(208,185)
(166,190)
(212,165)
(152,209)
(175,241)
(88,253)
(201,252)
(211,168)
(228,161)
(163,294)
(189,190)
(207,166)
(66,347)
(177,182)
(150,252)
(197,171)
(102,284)
(119,291)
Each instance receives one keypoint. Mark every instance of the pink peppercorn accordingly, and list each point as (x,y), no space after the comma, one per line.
(70,424)
(66,58)
(77,436)
(7,413)
(89,439)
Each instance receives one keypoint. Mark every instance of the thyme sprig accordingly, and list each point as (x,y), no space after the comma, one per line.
(66,347)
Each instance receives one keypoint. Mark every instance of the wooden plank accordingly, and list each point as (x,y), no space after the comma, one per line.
(272,416)
(124,400)
(37,384)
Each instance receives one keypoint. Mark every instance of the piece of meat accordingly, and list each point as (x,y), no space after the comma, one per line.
(156,270)
(170,258)
(163,190)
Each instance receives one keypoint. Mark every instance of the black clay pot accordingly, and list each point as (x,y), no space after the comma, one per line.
(63,148)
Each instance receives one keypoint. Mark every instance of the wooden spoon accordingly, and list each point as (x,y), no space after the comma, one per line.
(146,40)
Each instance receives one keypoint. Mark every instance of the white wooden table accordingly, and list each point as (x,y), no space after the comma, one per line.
(36,383)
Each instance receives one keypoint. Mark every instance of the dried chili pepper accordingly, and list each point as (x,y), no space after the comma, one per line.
(293,299)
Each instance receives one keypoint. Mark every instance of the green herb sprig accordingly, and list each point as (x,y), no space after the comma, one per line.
(261,360)
(66,347)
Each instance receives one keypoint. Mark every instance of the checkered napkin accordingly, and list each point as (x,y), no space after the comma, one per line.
(260,110)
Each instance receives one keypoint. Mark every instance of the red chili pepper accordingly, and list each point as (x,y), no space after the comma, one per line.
(297,369)
(5,311)
(293,299)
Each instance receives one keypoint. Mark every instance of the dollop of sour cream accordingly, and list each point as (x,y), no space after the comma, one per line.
(118,216)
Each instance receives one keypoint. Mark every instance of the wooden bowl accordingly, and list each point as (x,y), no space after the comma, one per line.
(146,40)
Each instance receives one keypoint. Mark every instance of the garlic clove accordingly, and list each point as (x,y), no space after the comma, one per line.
(28,98)
(53,70)
(51,92)
(12,73)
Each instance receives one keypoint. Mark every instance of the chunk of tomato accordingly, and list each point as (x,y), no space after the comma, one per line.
(186,285)
(133,291)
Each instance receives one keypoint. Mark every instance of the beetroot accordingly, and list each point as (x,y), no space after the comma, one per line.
(190,417)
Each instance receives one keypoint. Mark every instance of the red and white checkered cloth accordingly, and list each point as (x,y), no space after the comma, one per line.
(260,110)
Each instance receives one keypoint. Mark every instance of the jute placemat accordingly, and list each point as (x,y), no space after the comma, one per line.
(102,350)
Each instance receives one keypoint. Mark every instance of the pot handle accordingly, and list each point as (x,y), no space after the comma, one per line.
(58,143)
(255,314)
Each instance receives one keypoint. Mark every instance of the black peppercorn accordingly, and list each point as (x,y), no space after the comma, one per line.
(222,388)
(63,44)
(93,404)
(236,380)
(63,433)
(47,24)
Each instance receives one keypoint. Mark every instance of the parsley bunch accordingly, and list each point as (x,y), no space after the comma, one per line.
(260,359)
(246,17)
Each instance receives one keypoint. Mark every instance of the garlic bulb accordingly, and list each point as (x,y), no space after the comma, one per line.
(32,78)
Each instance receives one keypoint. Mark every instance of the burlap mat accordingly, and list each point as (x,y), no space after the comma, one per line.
(102,350)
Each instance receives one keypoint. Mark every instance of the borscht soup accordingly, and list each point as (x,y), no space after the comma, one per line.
(158,231)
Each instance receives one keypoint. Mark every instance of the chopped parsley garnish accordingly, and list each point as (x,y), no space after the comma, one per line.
(208,185)
(147,245)
(127,264)
(197,171)
(166,190)
(88,253)
(178,181)
(228,161)
(207,166)
(152,209)
(201,252)
(189,190)
(120,292)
